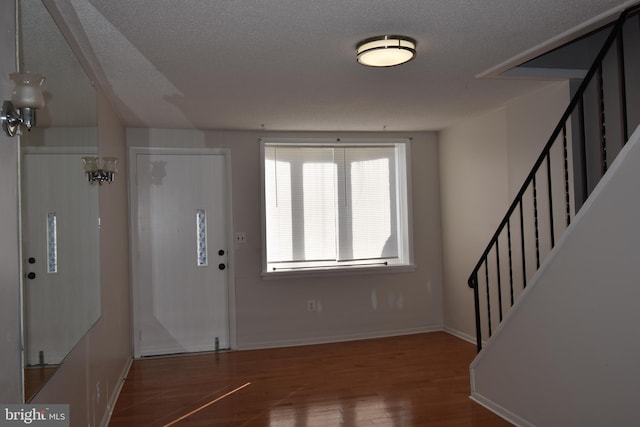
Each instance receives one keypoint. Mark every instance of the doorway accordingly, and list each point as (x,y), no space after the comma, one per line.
(181,236)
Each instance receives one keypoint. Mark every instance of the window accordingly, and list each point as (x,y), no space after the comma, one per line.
(334,205)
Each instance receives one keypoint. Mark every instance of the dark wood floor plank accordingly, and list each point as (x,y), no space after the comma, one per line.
(413,380)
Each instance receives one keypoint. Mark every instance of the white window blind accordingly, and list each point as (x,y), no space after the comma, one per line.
(334,205)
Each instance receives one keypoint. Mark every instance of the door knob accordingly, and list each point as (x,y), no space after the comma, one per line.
(221,252)
(31,260)
(31,275)
(221,266)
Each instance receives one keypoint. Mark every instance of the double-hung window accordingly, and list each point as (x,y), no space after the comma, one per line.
(335,204)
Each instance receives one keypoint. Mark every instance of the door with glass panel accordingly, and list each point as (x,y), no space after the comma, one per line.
(60,239)
(180,228)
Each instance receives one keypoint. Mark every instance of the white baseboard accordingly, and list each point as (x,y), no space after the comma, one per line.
(500,411)
(462,335)
(336,338)
(182,349)
(115,394)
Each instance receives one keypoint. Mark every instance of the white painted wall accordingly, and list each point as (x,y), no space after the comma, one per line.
(483,163)
(273,312)
(473,176)
(530,119)
(568,354)
(10,341)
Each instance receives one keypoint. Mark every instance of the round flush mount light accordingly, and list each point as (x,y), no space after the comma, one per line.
(386,51)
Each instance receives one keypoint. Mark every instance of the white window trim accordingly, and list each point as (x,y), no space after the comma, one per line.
(408,266)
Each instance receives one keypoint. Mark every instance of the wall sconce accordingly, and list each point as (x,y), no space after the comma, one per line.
(100,169)
(26,99)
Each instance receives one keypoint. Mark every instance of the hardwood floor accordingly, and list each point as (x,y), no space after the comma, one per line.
(35,377)
(414,380)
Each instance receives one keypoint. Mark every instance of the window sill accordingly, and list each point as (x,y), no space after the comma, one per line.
(337,271)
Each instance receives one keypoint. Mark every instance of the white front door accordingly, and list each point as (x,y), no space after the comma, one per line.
(61,254)
(181,237)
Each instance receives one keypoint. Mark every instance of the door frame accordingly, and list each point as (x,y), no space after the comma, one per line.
(133,152)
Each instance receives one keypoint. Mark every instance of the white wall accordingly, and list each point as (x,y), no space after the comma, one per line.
(10,365)
(568,354)
(273,312)
(483,163)
(473,172)
(530,120)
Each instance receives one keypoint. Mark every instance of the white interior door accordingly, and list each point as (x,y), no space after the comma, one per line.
(61,251)
(181,296)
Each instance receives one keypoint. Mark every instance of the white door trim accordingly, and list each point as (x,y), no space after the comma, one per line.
(133,227)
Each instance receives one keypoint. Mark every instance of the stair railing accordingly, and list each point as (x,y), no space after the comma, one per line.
(549,203)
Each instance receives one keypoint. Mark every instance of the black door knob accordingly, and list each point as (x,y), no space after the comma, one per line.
(221,252)
(31,275)
(31,260)
(222,266)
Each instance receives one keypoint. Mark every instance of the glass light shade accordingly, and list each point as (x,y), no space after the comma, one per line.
(28,90)
(90,164)
(386,51)
(110,164)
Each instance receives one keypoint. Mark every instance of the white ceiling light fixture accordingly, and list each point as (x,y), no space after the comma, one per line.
(386,51)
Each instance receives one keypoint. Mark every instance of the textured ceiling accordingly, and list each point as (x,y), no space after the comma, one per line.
(69,95)
(290,64)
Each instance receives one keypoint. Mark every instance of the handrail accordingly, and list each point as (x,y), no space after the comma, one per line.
(530,181)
